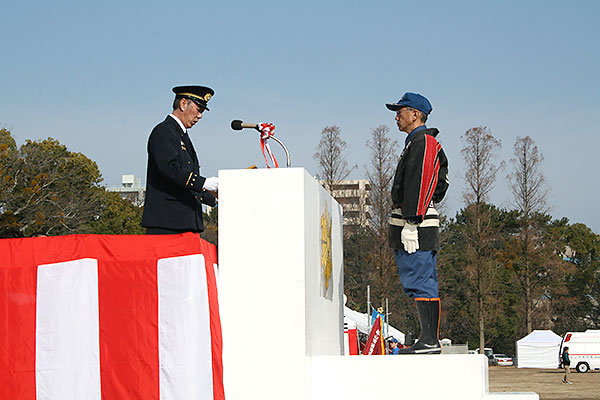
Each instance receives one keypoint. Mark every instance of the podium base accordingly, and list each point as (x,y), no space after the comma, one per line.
(423,377)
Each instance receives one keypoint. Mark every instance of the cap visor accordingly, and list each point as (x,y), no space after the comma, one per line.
(393,106)
(200,104)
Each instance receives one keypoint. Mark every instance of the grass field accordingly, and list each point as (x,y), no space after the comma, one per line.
(545,382)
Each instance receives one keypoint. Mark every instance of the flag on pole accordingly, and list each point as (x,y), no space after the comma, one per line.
(375,343)
(379,313)
(109,317)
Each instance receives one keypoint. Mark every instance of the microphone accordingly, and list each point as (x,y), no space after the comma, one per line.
(238,125)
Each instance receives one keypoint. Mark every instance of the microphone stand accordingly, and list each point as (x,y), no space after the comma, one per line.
(238,125)
(287,154)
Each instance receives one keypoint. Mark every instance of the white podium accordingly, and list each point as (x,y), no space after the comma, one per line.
(280,298)
(278,303)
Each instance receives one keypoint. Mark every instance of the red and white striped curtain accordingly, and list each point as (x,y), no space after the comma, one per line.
(109,317)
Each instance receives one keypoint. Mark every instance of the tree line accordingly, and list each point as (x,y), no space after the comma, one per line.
(503,272)
(45,189)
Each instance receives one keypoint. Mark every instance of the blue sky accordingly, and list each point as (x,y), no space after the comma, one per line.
(97,76)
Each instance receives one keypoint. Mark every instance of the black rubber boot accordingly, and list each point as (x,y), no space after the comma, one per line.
(429,317)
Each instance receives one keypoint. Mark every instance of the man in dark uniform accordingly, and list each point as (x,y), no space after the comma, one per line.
(421,179)
(175,190)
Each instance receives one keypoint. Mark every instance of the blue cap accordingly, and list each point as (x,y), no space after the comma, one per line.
(412,100)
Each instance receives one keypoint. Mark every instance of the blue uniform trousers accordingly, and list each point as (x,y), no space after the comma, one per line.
(418,273)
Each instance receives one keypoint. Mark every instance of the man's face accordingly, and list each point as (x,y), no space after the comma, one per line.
(406,118)
(191,113)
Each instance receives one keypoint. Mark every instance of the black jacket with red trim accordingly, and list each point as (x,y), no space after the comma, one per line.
(174,193)
(421,179)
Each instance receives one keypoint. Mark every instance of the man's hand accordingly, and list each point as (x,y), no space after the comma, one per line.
(211,184)
(410,238)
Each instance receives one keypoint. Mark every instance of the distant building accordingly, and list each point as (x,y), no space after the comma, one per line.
(353,196)
(131,189)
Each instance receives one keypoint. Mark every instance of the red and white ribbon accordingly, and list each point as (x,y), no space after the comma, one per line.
(267,130)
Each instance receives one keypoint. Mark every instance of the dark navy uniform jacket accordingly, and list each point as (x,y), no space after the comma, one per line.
(174,193)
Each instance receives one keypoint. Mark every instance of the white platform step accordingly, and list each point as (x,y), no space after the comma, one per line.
(451,376)
(512,396)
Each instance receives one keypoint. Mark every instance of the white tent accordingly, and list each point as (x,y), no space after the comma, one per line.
(362,323)
(539,349)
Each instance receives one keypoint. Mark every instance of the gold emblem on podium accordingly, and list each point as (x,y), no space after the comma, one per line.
(326,264)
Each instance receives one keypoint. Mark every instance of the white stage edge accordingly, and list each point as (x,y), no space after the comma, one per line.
(446,376)
(282,316)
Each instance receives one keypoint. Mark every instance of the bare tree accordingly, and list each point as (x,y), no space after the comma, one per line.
(530,195)
(527,181)
(333,166)
(384,157)
(380,173)
(479,152)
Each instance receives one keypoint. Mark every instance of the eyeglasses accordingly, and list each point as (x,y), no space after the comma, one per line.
(199,108)
(403,108)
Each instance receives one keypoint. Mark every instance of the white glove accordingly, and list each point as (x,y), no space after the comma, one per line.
(211,184)
(410,238)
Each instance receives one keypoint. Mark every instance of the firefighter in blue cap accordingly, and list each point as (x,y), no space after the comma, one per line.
(175,190)
(420,181)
